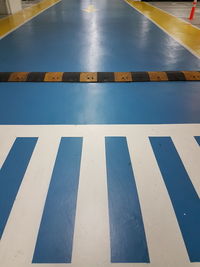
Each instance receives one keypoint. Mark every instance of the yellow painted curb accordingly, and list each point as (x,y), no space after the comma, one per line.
(185,33)
(12,22)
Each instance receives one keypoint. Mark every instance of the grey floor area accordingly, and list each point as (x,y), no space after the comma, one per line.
(180,10)
(29,3)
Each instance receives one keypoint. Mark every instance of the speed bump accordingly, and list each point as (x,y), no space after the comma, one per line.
(99,77)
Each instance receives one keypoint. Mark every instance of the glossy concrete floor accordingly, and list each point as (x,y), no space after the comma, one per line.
(98,175)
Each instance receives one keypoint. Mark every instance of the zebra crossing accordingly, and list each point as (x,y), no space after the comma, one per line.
(70,206)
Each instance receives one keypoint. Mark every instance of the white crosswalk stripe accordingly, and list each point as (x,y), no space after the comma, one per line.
(91,245)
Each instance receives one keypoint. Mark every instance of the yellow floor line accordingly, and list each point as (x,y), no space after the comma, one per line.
(12,22)
(185,33)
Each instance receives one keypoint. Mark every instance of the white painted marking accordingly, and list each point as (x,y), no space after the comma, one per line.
(90,9)
(19,237)
(6,143)
(189,152)
(91,239)
(158,214)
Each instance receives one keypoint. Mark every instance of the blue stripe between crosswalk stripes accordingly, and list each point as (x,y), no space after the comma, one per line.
(55,237)
(128,241)
(197,139)
(11,175)
(184,198)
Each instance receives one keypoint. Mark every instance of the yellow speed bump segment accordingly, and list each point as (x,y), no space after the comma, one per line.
(53,77)
(157,76)
(12,22)
(183,32)
(88,77)
(192,75)
(123,77)
(18,77)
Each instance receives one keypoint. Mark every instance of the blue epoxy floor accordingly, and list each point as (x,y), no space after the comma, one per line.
(114,38)
(107,103)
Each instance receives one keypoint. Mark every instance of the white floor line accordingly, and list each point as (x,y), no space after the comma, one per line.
(91,246)
(165,243)
(189,151)
(5,146)
(192,129)
(19,237)
(91,236)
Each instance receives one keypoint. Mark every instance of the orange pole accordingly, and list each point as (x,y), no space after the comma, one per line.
(193,10)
